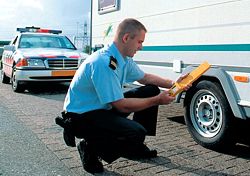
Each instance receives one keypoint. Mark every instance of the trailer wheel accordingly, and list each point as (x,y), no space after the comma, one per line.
(208,116)
(15,83)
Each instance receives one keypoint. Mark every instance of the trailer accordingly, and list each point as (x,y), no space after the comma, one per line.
(181,35)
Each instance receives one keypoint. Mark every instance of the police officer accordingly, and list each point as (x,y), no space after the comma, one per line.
(98,108)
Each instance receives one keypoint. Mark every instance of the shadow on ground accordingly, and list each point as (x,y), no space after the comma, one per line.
(47,88)
(167,165)
(54,91)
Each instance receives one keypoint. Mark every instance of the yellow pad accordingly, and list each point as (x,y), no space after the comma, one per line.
(191,77)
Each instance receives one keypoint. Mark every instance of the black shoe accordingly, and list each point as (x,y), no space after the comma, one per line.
(142,152)
(90,161)
(146,153)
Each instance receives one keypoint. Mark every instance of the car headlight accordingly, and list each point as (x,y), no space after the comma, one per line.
(24,62)
(27,62)
(35,63)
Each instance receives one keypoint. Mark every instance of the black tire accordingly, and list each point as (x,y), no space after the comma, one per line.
(16,84)
(4,79)
(208,116)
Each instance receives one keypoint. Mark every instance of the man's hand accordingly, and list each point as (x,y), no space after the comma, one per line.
(181,78)
(165,98)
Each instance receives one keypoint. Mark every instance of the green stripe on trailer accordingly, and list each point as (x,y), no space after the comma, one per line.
(224,47)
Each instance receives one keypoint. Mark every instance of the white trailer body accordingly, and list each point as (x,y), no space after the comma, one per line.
(182,34)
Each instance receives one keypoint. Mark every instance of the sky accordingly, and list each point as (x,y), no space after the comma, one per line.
(66,15)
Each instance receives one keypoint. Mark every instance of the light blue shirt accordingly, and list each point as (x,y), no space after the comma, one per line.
(95,84)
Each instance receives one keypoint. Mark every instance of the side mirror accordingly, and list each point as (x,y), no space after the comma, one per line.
(9,47)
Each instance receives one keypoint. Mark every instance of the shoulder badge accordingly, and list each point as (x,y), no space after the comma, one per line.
(112,63)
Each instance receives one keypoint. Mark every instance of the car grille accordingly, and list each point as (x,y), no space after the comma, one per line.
(63,63)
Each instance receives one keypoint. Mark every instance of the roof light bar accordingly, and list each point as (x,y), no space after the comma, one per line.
(38,30)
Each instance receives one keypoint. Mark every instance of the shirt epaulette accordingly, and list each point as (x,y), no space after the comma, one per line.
(112,63)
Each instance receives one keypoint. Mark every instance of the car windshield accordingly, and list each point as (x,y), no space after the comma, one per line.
(45,41)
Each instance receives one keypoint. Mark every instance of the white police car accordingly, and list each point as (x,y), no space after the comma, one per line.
(39,55)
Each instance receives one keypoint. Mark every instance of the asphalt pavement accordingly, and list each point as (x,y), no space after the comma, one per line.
(22,153)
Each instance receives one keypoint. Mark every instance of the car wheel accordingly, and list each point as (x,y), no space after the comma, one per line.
(4,79)
(208,116)
(16,86)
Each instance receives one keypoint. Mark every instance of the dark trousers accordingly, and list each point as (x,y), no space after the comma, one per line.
(110,133)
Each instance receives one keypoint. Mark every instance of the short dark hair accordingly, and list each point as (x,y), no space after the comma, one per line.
(131,26)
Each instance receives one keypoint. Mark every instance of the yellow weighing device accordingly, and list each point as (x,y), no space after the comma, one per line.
(191,77)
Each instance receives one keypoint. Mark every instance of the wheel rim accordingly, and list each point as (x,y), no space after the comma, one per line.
(206,113)
(2,75)
(14,81)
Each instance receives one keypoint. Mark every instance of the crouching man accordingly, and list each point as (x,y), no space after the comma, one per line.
(98,108)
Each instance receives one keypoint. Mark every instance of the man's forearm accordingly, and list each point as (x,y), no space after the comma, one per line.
(156,80)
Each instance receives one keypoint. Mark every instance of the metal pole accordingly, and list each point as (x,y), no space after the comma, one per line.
(90,34)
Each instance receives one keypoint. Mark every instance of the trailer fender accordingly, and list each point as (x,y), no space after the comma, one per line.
(216,72)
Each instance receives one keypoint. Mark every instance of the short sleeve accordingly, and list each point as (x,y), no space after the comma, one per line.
(134,72)
(106,83)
